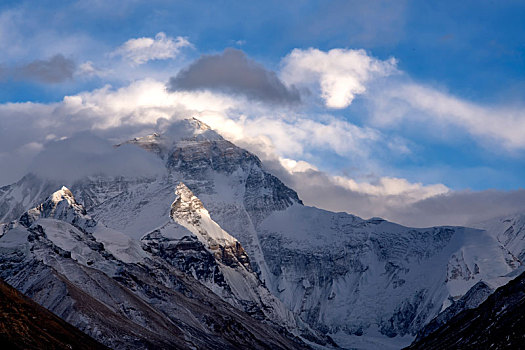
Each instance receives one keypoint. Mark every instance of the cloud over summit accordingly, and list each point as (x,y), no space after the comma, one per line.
(86,154)
(235,73)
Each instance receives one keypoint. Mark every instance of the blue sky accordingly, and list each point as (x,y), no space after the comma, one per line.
(473,48)
(444,104)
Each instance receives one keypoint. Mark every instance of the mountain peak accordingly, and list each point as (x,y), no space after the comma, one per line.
(198,124)
(187,210)
(60,205)
(63,194)
(185,203)
(171,137)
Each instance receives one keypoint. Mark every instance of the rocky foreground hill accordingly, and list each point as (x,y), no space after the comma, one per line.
(26,325)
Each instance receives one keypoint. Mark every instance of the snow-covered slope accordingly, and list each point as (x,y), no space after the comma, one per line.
(130,299)
(367,280)
(509,231)
(367,283)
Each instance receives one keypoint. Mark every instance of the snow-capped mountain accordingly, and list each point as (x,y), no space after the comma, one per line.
(195,244)
(373,275)
(125,298)
(241,232)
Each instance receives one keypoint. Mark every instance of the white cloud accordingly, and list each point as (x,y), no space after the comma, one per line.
(142,102)
(391,186)
(294,166)
(285,132)
(128,111)
(142,50)
(340,74)
(296,135)
(415,102)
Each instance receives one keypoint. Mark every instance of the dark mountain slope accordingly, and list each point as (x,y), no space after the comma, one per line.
(26,325)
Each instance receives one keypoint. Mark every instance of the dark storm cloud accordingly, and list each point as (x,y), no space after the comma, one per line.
(233,72)
(53,70)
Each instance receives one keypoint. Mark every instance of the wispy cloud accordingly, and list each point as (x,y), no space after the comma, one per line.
(402,102)
(341,75)
(161,47)
(397,189)
(290,135)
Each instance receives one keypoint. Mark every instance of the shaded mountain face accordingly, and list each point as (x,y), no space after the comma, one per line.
(26,325)
(472,299)
(121,295)
(509,231)
(248,238)
(498,323)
